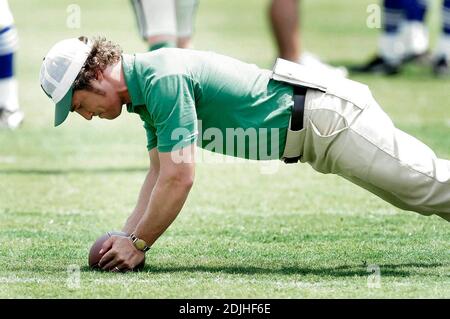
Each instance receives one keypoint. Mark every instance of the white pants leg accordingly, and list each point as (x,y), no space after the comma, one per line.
(155,17)
(186,10)
(362,145)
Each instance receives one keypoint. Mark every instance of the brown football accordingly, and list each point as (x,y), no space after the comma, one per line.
(94,256)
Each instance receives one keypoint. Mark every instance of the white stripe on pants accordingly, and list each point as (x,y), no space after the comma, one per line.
(362,145)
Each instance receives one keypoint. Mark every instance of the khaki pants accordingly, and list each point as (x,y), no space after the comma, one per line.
(361,144)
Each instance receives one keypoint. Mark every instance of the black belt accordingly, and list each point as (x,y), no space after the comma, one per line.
(297,115)
(299,108)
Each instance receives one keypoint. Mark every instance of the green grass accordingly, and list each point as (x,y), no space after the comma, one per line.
(296,234)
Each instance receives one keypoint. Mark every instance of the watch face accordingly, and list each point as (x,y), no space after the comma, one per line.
(140,244)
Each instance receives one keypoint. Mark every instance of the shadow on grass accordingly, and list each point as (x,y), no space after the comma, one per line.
(393,270)
(103,170)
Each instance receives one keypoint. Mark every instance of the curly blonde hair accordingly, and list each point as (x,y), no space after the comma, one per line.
(103,54)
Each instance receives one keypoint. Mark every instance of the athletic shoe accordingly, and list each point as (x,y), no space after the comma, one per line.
(441,67)
(377,65)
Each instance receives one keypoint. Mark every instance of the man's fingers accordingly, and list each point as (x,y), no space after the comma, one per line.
(106,258)
(111,265)
(107,245)
(116,269)
(121,267)
(121,256)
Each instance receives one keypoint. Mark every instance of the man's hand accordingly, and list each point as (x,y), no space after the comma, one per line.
(120,254)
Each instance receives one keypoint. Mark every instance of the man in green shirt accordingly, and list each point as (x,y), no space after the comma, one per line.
(227,106)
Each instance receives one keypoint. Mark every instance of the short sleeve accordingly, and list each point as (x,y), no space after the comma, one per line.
(170,101)
(151,136)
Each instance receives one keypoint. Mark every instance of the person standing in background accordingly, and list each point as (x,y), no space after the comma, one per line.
(284,19)
(441,57)
(405,39)
(168,23)
(10,114)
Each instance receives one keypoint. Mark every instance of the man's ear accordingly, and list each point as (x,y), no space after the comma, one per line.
(99,75)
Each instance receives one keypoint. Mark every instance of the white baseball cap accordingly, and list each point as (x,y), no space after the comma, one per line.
(59,70)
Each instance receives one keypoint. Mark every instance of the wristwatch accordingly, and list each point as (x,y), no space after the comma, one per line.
(138,243)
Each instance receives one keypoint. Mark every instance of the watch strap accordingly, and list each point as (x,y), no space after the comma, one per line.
(134,239)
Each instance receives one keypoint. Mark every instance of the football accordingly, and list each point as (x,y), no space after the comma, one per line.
(94,256)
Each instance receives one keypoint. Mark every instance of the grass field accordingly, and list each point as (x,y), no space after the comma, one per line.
(242,234)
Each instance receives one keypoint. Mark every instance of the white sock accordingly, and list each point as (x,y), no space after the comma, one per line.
(9,97)
(414,35)
(391,48)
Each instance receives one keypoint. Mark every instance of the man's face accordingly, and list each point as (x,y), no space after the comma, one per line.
(103,101)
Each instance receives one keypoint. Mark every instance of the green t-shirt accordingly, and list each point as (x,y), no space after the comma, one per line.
(228,106)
